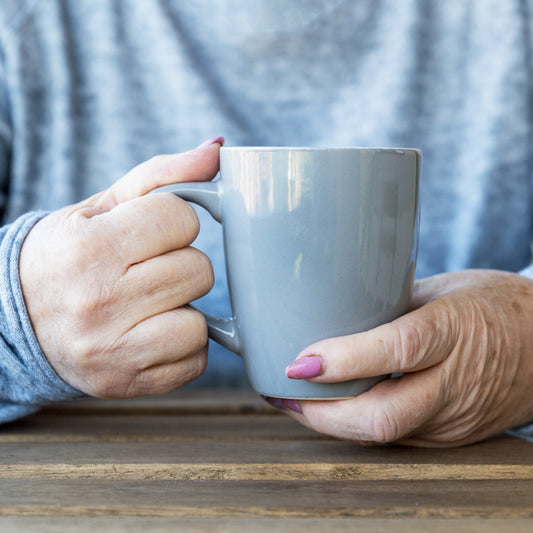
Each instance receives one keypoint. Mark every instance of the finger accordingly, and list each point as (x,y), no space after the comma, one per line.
(200,164)
(389,412)
(165,282)
(148,226)
(164,339)
(159,379)
(169,377)
(413,342)
(158,341)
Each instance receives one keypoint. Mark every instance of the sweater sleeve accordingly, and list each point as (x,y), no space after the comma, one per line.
(524,432)
(27,380)
(5,137)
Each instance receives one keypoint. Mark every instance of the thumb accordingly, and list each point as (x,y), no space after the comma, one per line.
(390,411)
(200,164)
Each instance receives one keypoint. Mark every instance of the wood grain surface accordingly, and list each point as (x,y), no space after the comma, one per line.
(221,461)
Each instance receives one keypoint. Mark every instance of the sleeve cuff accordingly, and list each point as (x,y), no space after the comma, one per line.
(524,432)
(27,380)
(527,272)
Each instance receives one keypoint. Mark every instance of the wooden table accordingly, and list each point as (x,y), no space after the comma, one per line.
(219,461)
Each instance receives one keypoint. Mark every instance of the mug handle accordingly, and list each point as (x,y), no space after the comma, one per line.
(209,195)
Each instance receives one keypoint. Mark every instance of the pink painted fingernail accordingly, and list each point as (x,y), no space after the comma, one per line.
(219,140)
(293,405)
(306,367)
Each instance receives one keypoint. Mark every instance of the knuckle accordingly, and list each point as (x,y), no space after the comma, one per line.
(159,163)
(189,332)
(95,356)
(195,330)
(406,345)
(198,365)
(383,427)
(187,220)
(112,386)
(195,367)
(89,251)
(184,373)
(205,277)
(89,306)
(85,353)
(76,253)
(81,352)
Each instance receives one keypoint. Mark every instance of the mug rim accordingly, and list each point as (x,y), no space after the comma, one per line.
(376,149)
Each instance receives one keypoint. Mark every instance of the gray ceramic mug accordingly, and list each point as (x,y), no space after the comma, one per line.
(319,242)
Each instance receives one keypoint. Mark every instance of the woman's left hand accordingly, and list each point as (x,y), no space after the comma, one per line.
(466,353)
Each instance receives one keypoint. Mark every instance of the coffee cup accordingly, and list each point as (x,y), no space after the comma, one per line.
(319,243)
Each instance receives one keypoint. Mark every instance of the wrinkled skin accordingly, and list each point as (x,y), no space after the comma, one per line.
(466,353)
(105,282)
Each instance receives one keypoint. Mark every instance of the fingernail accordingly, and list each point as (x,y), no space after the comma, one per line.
(293,405)
(275,402)
(219,140)
(306,367)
